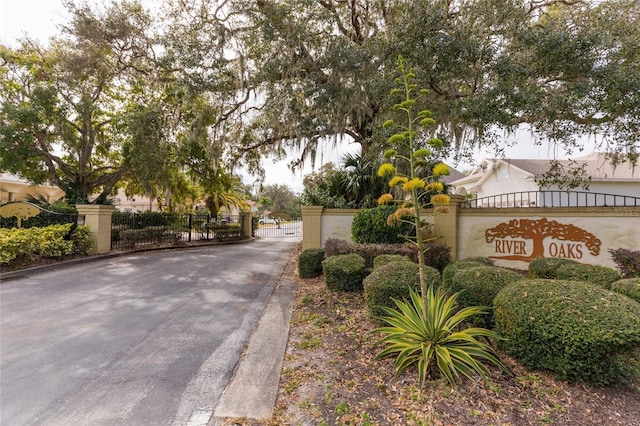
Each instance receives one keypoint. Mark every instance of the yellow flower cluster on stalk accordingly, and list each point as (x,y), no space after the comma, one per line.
(424,330)
(411,188)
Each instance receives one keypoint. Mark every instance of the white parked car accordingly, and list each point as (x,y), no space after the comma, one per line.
(266,220)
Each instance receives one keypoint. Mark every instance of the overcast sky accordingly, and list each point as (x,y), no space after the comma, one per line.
(39,19)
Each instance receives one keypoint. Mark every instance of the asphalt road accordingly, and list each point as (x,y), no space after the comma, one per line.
(145,339)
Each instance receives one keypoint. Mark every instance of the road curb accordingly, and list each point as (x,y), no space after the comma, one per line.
(253,389)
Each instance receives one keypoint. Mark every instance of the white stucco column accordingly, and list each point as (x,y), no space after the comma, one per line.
(98,218)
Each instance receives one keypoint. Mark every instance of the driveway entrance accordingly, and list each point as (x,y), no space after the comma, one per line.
(142,339)
(280,229)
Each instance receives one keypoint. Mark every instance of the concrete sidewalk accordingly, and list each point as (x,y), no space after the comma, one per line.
(253,389)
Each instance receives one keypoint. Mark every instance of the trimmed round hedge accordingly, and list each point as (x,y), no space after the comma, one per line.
(594,274)
(385,259)
(450,270)
(478,286)
(630,287)
(577,330)
(480,259)
(547,267)
(310,263)
(343,272)
(393,281)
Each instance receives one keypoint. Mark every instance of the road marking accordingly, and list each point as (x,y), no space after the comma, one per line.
(200,418)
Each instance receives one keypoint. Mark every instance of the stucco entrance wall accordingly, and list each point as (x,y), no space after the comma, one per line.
(336,223)
(321,224)
(515,236)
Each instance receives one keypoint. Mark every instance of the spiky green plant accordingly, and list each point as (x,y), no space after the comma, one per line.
(428,337)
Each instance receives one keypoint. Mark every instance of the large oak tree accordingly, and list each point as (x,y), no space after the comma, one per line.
(63,105)
(561,68)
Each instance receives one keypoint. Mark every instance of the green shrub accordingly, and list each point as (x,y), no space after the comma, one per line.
(437,255)
(630,287)
(50,241)
(393,281)
(370,226)
(15,244)
(343,272)
(594,274)
(385,259)
(24,244)
(143,220)
(310,263)
(577,330)
(478,286)
(627,261)
(81,239)
(479,259)
(450,270)
(547,267)
(334,247)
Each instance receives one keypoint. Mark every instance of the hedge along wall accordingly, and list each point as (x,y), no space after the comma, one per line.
(515,236)
(510,236)
(321,224)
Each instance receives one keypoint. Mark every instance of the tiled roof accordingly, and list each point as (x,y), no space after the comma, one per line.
(453,176)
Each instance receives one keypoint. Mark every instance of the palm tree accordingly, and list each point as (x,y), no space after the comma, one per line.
(223,191)
(361,184)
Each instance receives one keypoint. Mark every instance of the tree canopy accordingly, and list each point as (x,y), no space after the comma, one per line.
(564,68)
(219,84)
(62,105)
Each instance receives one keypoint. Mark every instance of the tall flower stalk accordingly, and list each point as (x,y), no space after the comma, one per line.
(405,148)
(424,330)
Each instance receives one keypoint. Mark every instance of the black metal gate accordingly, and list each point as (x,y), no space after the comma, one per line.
(279,228)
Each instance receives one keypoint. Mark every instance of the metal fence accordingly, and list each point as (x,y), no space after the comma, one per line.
(29,215)
(140,230)
(552,199)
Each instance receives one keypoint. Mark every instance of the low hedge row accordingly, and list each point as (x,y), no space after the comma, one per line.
(24,244)
(577,330)
(151,234)
(436,255)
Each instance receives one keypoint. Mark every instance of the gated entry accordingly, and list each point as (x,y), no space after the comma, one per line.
(279,228)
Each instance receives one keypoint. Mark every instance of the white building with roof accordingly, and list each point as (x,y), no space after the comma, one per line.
(494,177)
(13,188)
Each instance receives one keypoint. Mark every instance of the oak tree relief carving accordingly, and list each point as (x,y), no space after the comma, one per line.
(537,231)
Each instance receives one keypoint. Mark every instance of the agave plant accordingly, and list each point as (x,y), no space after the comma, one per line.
(431,340)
